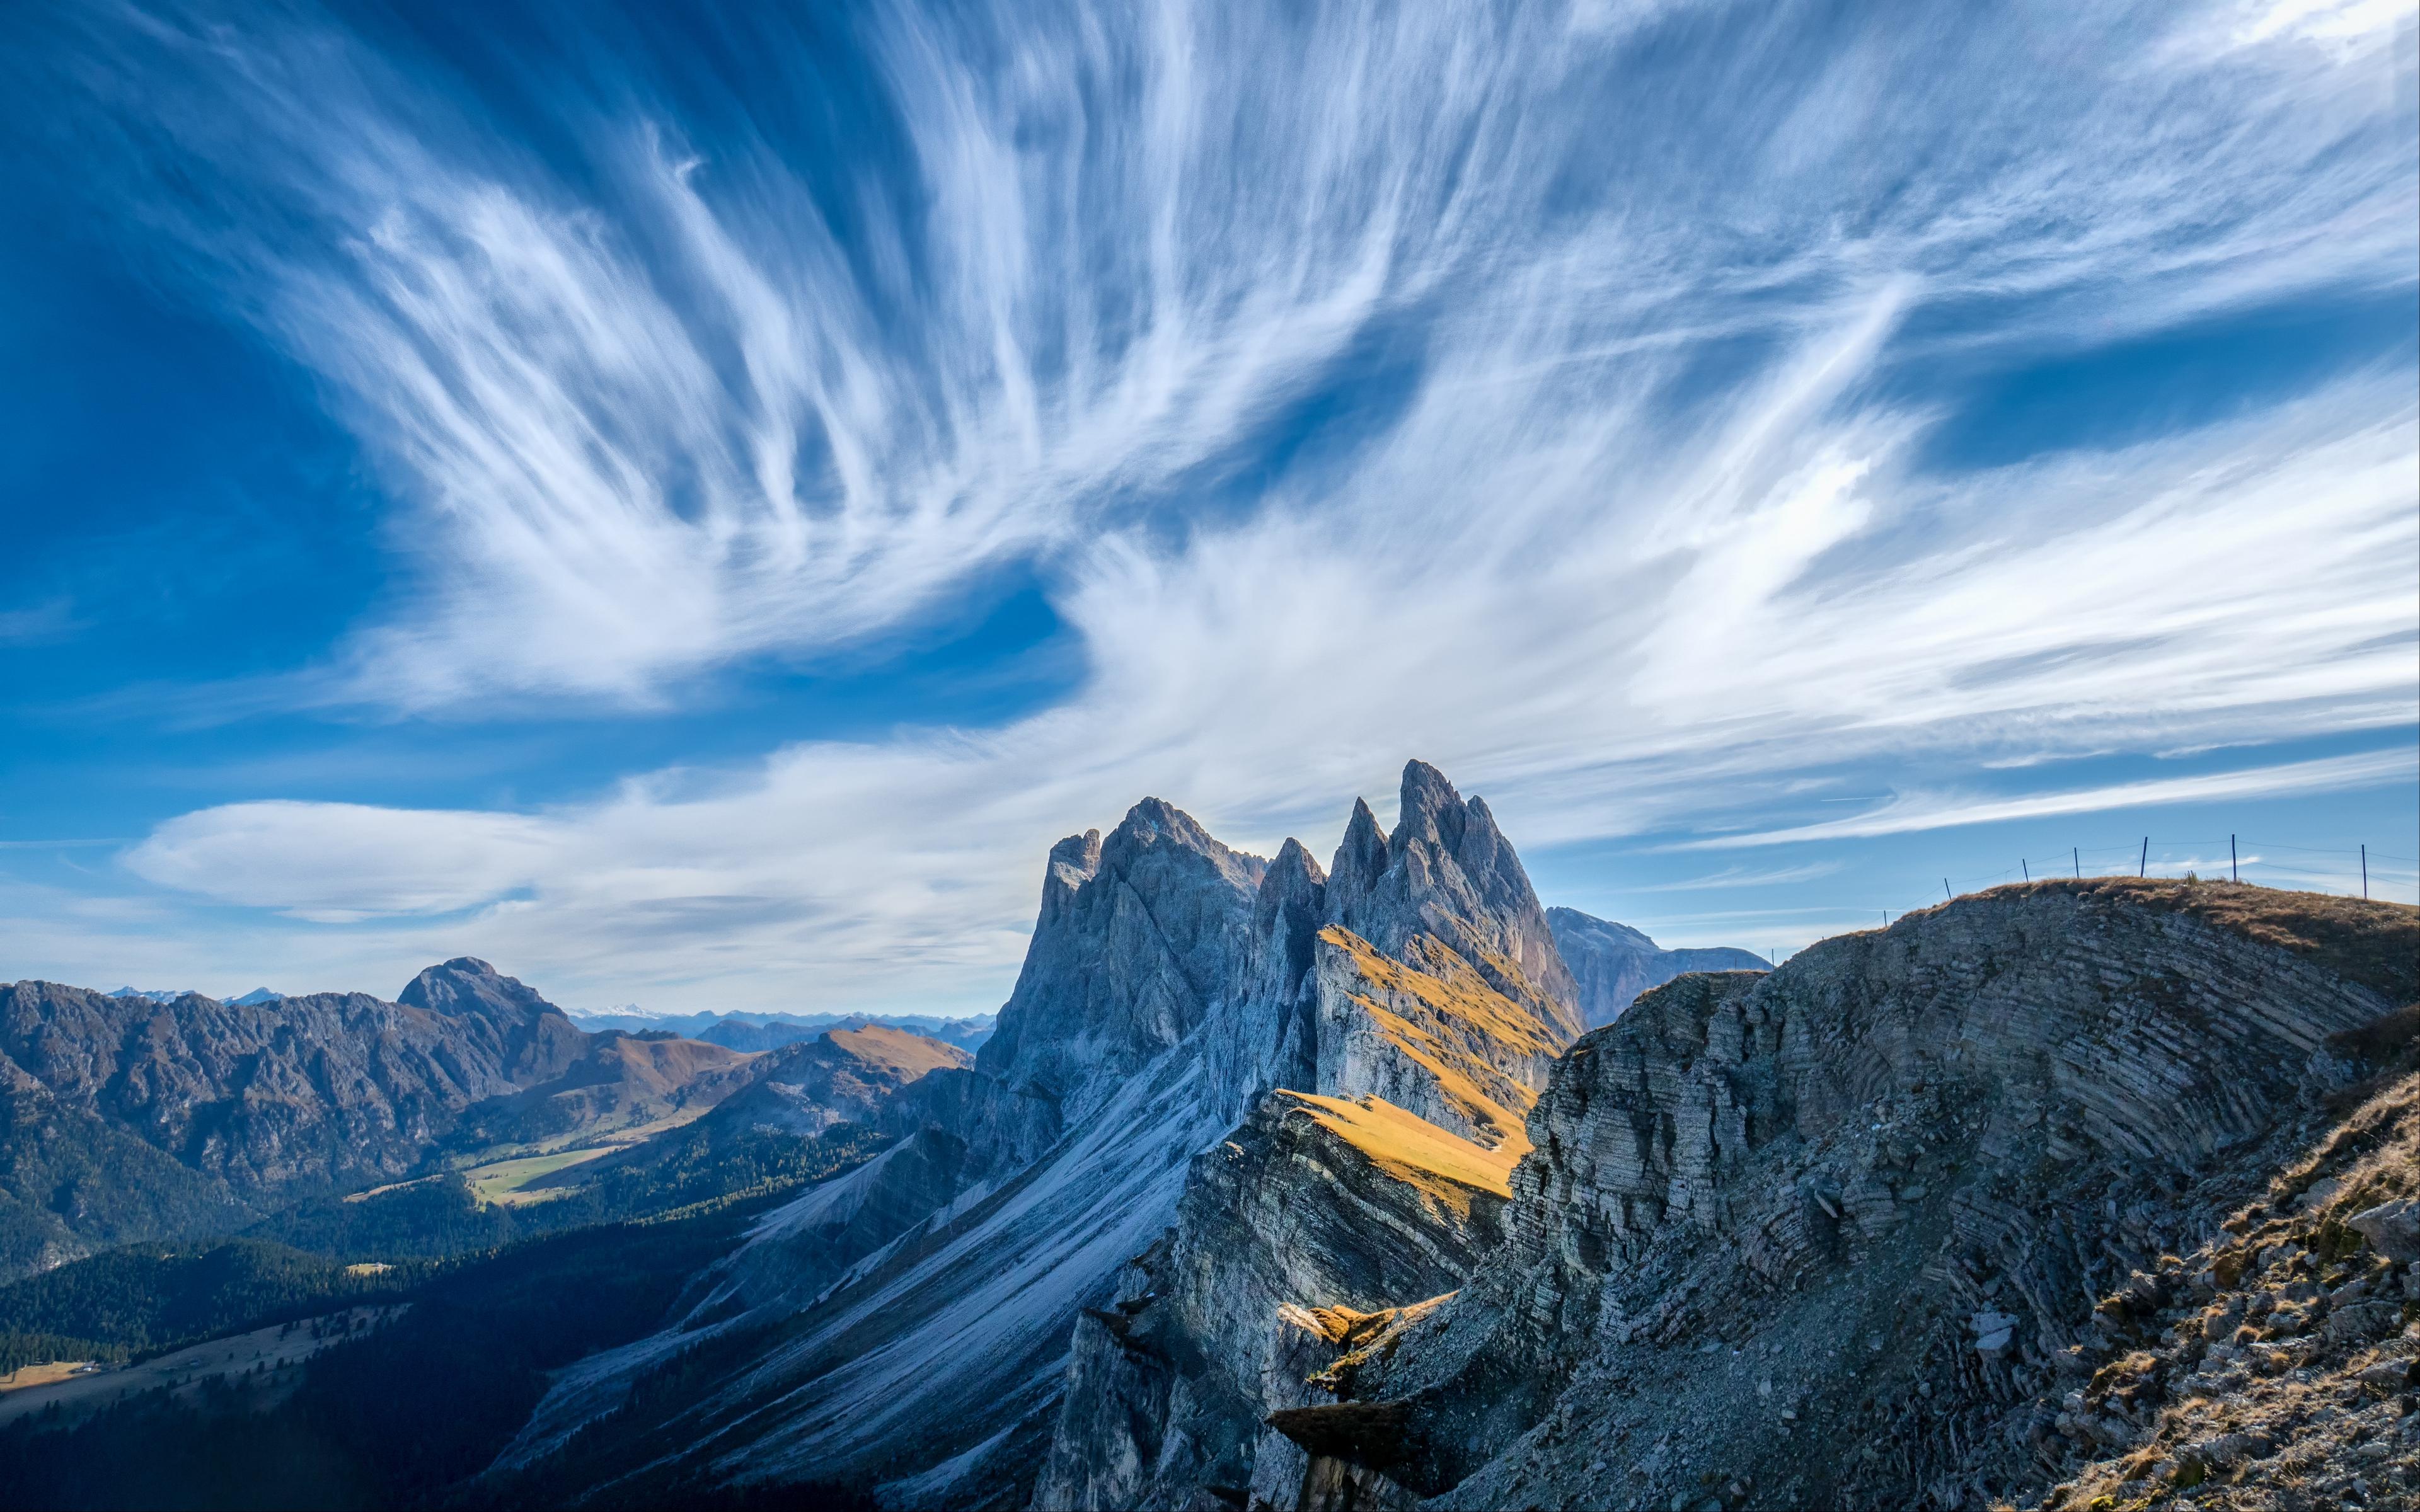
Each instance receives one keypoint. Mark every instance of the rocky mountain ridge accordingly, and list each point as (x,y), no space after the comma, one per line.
(1298,1190)
(912,1323)
(123,1117)
(1372,1162)
(1831,1236)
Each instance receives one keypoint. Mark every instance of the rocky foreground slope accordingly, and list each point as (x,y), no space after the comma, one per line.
(2054,1193)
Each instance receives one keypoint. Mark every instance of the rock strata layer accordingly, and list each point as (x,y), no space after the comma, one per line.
(1408,1006)
(1832,1235)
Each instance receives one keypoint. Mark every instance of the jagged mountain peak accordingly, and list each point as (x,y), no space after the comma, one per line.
(1448,873)
(1427,806)
(1155,824)
(1079,853)
(1287,906)
(1170,987)
(1580,924)
(1294,852)
(1361,858)
(1073,862)
(1134,944)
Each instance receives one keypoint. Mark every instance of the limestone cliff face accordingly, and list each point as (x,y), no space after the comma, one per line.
(921,1322)
(1434,981)
(1136,946)
(1271,1037)
(1449,873)
(906,1323)
(1405,1010)
(1613,962)
(1829,1236)
(1429,1033)
(1315,1215)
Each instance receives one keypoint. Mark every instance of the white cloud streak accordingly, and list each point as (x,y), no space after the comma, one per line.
(1632,527)
(1913,813)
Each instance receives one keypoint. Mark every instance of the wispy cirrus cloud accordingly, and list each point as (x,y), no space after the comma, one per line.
(1741,876)
(53,619)
(1911,812)
(1531,391)
(680,396)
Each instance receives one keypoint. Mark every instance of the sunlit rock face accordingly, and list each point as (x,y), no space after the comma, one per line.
(1316,1216)
(1206,1063)
(1870,1199)
(1411,1008)
(1448,874)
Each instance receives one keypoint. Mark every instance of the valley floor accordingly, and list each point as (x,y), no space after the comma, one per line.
(267,1358)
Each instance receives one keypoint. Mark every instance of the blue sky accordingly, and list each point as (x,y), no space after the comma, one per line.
(688,502)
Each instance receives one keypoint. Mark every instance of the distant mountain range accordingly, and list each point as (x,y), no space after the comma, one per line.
(251,999)
(768,1031)
(738,1031)
(138,1115)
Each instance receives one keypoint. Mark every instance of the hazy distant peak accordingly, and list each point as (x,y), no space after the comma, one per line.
(1614,963)
(1589,926)
(466,983)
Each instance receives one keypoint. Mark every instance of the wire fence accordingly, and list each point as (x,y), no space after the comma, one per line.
(2356,870)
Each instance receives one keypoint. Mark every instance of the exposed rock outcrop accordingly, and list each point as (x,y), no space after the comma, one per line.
(1315,1215)
(1449,873)
(910,1324)
(1831,1236)
(1613,962)
(1136,946)
(1376,1185)
(907,1323)
(2274,1366)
